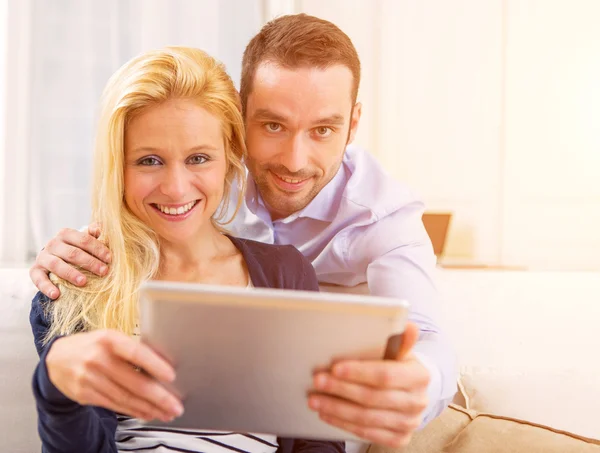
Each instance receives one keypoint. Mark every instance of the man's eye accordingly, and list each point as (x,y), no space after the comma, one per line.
(273,127)
(323,131)
(197,159)
(149,161)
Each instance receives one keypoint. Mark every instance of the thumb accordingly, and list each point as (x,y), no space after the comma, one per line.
(95,229)
(409,339)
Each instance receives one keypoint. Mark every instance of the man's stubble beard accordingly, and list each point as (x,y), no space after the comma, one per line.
(278,202)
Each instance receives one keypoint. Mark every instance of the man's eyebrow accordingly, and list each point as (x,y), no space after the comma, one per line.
(268,115)
(334,120)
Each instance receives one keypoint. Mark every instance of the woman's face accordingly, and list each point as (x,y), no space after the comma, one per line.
(175,169)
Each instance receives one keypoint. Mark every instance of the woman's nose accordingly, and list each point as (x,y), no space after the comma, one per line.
(176,183)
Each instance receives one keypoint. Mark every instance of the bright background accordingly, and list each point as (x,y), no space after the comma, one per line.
(488,109)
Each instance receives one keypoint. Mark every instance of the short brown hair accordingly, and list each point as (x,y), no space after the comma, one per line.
(299,40)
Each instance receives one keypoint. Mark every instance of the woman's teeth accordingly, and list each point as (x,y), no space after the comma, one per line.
(176,211)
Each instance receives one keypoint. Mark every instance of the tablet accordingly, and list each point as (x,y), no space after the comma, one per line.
(245,357)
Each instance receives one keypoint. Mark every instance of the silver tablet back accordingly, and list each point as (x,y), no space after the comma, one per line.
(245,357)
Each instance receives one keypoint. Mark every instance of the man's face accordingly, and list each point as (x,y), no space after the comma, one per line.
(298,122)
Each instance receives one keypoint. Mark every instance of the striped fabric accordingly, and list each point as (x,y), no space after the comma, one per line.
(133,436)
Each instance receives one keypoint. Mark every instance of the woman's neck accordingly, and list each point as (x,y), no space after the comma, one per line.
(211,259)
(187,258)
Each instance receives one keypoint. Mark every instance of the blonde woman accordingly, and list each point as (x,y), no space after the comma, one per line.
(170,145)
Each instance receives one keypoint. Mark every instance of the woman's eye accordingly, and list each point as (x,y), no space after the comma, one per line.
(198,159)
(273,127)
(323,131)
(149,161)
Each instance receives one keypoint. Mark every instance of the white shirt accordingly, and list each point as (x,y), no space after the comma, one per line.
(366,227)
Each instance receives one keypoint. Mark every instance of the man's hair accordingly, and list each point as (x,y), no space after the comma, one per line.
(296,41)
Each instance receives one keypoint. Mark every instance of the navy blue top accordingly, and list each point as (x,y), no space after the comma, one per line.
(65,426)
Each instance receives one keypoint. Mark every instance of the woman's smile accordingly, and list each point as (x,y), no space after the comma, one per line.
(175,212)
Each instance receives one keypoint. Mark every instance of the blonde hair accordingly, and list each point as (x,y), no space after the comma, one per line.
(147,80)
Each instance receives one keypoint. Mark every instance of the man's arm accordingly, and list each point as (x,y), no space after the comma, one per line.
(385,401)
(402,272)
(403,265)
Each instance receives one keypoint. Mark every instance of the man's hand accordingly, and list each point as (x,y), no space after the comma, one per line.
(381,401)
(97,369)
(70,248)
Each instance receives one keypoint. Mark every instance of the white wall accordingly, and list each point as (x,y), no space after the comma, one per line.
(13,212)
(3,50)
(552,196)
(490,110)
(199,23)
(60,56)
(441,112)
(359,19)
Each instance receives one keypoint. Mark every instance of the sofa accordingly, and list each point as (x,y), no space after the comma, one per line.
(527,345)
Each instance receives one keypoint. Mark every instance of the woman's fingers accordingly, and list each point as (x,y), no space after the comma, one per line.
(140,386)
(85,365)
(94,397)
(140,355)
(108,392)
(127,353)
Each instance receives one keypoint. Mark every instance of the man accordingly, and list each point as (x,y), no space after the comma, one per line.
(308,188)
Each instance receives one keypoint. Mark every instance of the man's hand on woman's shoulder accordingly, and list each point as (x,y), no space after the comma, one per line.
(67,249)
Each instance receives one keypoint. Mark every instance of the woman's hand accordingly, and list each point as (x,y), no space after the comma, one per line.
(67,249)
(97,368)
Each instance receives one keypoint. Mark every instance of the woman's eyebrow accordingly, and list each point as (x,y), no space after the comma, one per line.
(152,149)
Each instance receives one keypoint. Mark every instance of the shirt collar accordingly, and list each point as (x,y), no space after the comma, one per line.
(323,207)
(254,202)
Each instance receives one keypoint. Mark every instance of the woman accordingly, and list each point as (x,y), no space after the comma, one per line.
(170,145)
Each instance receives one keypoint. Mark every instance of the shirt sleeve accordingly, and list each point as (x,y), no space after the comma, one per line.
(399,261)
(65,426)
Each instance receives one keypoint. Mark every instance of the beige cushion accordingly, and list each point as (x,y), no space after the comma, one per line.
(459,430)
(560,399)
(537,328)
(440,432)
(505,435)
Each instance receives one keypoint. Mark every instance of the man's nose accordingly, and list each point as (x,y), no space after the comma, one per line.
(295,156)
(176,183)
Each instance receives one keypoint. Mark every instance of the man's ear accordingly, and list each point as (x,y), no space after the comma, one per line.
(354,120)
